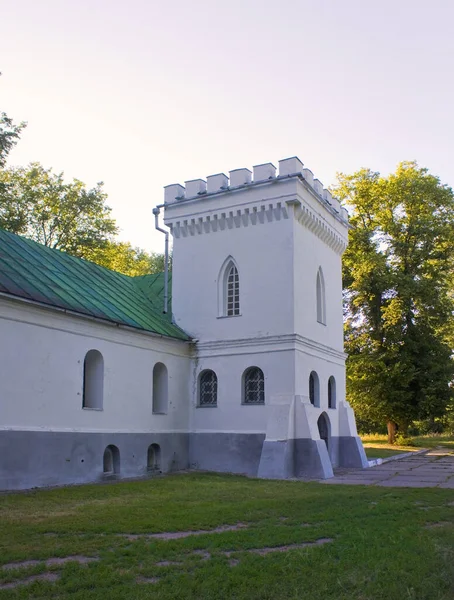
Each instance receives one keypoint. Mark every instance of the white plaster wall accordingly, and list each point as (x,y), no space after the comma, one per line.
(325,366)
(310,254)
(264,256)
(231,415)
(277,258)
(41,369)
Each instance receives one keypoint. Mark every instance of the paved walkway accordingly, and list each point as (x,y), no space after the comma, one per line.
(432,469)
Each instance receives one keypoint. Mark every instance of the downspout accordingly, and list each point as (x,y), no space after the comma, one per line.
(166,259)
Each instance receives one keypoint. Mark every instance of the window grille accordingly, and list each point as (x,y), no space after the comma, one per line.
(233,292)
(208,389)
(254,386)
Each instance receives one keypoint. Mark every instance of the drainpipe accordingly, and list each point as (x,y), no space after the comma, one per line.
(166,258)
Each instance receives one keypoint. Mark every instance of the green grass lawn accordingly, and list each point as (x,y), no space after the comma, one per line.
(376,445)
(373,543)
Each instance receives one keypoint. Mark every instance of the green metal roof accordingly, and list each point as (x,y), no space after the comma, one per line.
(35,272)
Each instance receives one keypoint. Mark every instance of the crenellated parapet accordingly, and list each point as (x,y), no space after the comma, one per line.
(263,174)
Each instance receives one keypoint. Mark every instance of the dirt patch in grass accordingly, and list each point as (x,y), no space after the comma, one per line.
(287,548)
(168,563)
(52,577)
(147,579)
(177,535)
(82,560)
(439,524)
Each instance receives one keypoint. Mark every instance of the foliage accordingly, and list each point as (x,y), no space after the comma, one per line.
(398,294)
(9,136)
(41,205)
(122,257)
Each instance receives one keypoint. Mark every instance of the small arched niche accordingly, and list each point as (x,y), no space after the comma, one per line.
(154,458)
(314,389)
(160,389)
(111,460)
(93,384)
(331,392)
(321,301)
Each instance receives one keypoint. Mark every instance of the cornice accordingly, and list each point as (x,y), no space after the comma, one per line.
(265,211)
(291,341)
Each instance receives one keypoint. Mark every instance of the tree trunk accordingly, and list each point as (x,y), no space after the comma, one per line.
(392,428)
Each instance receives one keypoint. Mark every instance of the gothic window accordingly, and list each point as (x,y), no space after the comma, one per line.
(314,389)
(232,292)
(160,388)
(321,303)
(331,392)
(253,386)
(208,388)
(93,383)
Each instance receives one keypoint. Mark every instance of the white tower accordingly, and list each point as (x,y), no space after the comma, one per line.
(257,282)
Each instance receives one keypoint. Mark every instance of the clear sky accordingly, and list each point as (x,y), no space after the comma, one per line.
(144,93)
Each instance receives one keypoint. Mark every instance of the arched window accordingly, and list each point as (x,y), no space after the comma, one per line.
(229,289)
(232,292)
(208,388)
(160,389)
(253,386)
(314,389)
(154,458)
(93,385)
(331,392)
(321,303)
(111,460)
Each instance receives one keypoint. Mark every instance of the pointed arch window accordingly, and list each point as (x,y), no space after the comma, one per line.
(229,289)
(232,292)
(321,302)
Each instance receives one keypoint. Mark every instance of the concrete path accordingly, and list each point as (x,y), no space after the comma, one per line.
(433,469)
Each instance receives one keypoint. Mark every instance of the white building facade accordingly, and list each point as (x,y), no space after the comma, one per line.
(258,385)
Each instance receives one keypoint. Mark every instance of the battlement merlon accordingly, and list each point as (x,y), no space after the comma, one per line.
(239,180)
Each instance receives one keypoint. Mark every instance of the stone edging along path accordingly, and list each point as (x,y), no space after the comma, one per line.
(379,461)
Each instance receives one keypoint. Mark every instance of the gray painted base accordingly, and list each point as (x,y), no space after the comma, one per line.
(37,458)
(226,452)
(40,458)
(276,461)
(312,460)
(352,453)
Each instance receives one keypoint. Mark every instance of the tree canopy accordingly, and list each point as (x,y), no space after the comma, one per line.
(397,289)
(40,204)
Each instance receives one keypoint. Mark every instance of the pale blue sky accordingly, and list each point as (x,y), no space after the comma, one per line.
(144,93)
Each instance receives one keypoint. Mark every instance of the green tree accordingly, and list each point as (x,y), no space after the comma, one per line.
(122,257)
(9,136)
(39,204)
(397,288)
